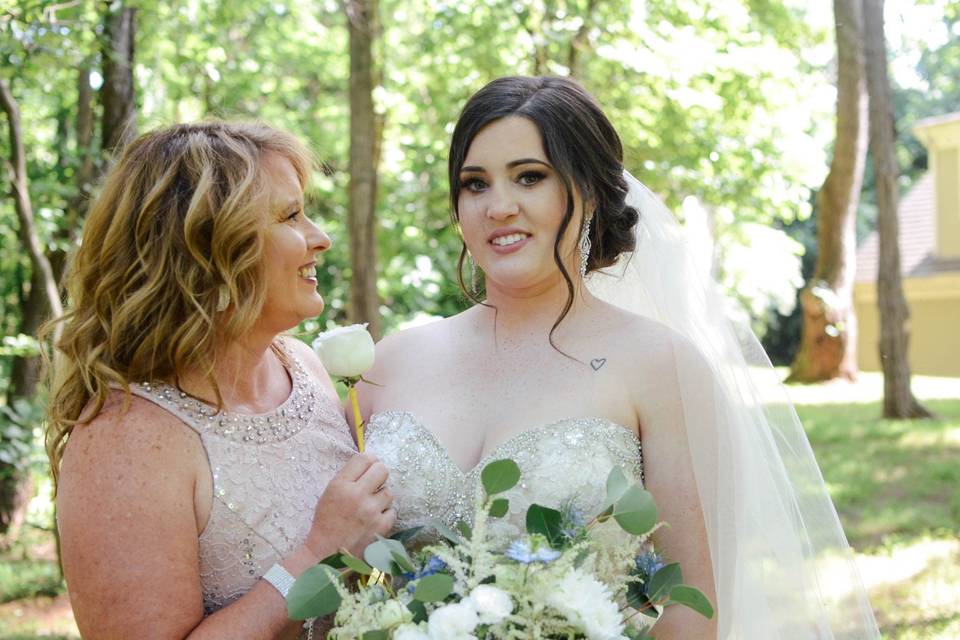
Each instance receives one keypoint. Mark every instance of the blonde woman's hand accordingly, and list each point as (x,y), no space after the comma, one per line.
(355,507)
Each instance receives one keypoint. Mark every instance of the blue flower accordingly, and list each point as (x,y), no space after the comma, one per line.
(531,549)
(573,522)
(432,566)
(648,563)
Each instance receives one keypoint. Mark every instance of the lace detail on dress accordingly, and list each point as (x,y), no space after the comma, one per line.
(268,472)
(565,463)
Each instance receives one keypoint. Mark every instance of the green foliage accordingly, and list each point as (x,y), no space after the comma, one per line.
(20,579)
(499,476)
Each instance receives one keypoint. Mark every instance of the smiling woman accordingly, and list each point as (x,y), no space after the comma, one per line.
(193,481)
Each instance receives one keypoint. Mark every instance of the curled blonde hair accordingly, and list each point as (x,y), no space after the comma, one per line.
(181,215)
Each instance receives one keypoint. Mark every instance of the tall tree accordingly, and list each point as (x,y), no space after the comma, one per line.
(117,93)
(898,398)
(362,221)
(829,339)
(42,300)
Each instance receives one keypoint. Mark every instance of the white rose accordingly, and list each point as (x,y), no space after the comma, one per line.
(410,632)
(453,622)
(490,603)
(346,352)
(393,613)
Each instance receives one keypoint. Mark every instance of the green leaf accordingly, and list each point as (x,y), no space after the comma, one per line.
(433,588)
(635,511)
(691,597)
(379,634)
(357,565)
(664,580)
(500,476)
(499,507)
(445,531)
(418,610)
(384,553)
(406,535)
(464,529)
(617,485)
(547,522)
(334,560)
(314,594)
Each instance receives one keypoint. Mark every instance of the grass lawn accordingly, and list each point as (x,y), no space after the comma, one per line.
(896,485)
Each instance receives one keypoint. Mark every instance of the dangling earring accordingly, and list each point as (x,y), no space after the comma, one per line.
(474,279)
(223,298)
(585,246)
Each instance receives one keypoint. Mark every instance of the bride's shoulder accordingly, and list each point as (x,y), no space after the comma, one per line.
(648,344)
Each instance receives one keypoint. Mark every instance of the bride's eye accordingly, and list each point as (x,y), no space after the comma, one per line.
(530,178)
(292,216)
(474,185)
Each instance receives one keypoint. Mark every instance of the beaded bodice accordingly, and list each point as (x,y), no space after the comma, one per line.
(565,463)
(268,472)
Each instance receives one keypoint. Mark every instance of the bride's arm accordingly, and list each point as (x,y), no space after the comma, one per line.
(670,477)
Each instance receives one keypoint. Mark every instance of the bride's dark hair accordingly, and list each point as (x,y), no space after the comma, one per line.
(583,148)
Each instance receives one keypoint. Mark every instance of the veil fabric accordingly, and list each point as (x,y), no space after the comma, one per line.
(781,563)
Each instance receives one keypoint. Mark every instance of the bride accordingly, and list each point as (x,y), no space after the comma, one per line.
(594,343)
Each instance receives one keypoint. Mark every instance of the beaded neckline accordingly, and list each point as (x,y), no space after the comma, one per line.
(288,419)
(520,439)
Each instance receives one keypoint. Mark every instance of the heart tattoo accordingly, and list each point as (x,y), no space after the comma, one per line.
(597,363)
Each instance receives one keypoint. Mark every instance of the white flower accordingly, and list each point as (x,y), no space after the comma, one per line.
(410,632)
(490,603)
(453,622)
(587,603)
(393,613)
(346,352)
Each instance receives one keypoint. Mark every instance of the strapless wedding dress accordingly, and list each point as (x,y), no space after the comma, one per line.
(563,464)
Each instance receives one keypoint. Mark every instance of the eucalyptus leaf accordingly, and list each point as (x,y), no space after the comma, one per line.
(314,594)
(433,588)
(664,580)
(406,535)
(500,476)
(357,565)
(547,522)
(617,485)
(691,597)
(379,634)
(334,560)
(383,554)
(635,511)
(464,530)
(445,531)
(499,507)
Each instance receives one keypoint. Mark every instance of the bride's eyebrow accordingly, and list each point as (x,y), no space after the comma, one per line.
(510,165)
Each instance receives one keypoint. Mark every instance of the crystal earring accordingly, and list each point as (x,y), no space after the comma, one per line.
(474,279)
(223,298)
(585,247)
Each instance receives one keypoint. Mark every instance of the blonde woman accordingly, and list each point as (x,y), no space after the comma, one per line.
(202,459)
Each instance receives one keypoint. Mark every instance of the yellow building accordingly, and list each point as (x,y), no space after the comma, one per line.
(929,218)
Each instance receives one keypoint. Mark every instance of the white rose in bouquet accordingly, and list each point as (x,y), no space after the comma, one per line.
(346,352)
(491,604)
(453,622)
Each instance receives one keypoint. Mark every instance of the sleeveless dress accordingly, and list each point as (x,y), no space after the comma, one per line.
(562,464)
(268,472)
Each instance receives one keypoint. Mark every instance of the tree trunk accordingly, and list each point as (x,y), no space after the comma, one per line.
(580,41)
(898,399)
(829,339)
(117,93)
(362,222)
(42,300)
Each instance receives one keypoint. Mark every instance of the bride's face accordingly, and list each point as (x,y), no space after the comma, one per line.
(511,204)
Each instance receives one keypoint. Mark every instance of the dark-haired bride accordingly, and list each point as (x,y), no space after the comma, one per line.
(594,342)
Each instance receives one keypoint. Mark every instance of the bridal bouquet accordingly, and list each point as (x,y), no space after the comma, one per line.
(557,580)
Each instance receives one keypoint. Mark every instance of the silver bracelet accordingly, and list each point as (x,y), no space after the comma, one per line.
(280,579)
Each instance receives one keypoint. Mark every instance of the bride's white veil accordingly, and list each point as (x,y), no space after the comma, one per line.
(781,562)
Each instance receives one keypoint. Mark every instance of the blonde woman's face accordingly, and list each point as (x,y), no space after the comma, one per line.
(292,243)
